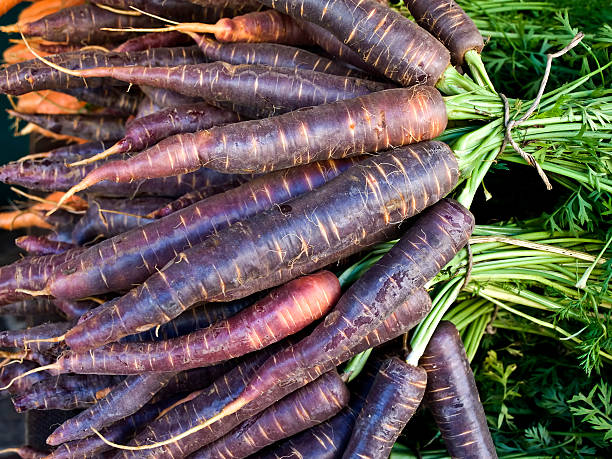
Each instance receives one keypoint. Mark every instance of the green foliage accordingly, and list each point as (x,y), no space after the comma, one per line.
(595,408)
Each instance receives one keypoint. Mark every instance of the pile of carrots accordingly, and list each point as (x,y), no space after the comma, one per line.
(225,160)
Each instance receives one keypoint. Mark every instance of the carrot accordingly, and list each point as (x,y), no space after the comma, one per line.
(41,245)
(283,312)
(7,5)
(30,273)
(81,24)
(272,54)
(32,128)
(120,102)
(18,219)
(342,217)
(19,52)
(90,127)
(431,242)
(452,396)
(49,103)
(227,388)
(73,309)
(39,9)
(123,400)
(64,392)
(303,409)
(391,402)
(10,372)
(165,98)
(35,307)
(383,38)
(22,338)
(257,27)
(145,131)
(192,320)
(271,90)
(372,123)
(34,75)
(152,40)
(447,21)
(180,203)
(108,217)
(103,268)
(25,452)
(94,446)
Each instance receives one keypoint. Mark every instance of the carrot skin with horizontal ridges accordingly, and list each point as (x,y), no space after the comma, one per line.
(342,217)
(29,308)
(452,396)
(88,127)
(103,269)
(119,102)
(63,392)
(391,402)
(18,338)
(10,372)
(34,75)
(271,90)
(272,54)
(283,312)
(383,38)
(153,40)
(304,408)
(374,122)
(125,399)
(165,98)
(41,245)
(447,21)
(410,313)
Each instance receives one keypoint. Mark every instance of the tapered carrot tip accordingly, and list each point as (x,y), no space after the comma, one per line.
(34,156)
(43,292)
(117,148)
(53,366)
(13,28)
(82,185)
(56,339)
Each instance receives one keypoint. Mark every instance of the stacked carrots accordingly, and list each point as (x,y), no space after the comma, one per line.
(191,248)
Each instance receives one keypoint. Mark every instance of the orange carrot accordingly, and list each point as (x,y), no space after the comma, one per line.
(49,103)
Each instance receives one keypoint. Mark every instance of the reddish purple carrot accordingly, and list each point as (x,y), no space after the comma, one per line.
(152,40)
(42,245)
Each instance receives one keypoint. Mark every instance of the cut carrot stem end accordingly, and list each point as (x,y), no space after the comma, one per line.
(117,148)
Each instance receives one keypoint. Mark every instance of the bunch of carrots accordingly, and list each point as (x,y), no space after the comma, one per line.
(226,165)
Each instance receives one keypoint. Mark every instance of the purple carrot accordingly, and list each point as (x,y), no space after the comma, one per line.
(181,203)
(271,90)
(123,400)
(165,98)
(9,372)
(383,38)
(64,392)
(33,75)
(89,127)
(103,268)
(35,307)
(196,379)
(41,245)
(340,218)
(116,100)
(146,107)
(108,217)
(82,24)
(73,309)
(452,395)
(145,131)
(21,338)
(283,312)
(25,452)
(391,402)
(447,21)
(301,410)
(153,40)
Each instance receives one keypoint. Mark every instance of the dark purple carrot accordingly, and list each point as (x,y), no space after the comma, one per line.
(89,127)
(35,307)
(94,446)
(103,268)
(82,24)
(383,38)
(394,397)
(271,90)
(181,203)
(73,309)
(365,124)
(432,241)
(108,217)
(123,400)
(271,54)
(283,312)
(64,392)
(25,452)
(30,273)
(28,337)
(226,388)
(9,372)
(143,132)
(116,100)
(267,26)
(42,245)
(447,21)
(195,379)
(146,107)
(342,217)
(34,75)
(165,98)
(301,410)
(70,153)
(192,320)
(153,40)
(50,174)
(452,396)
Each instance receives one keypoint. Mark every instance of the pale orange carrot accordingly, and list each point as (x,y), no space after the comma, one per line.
(50,103)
